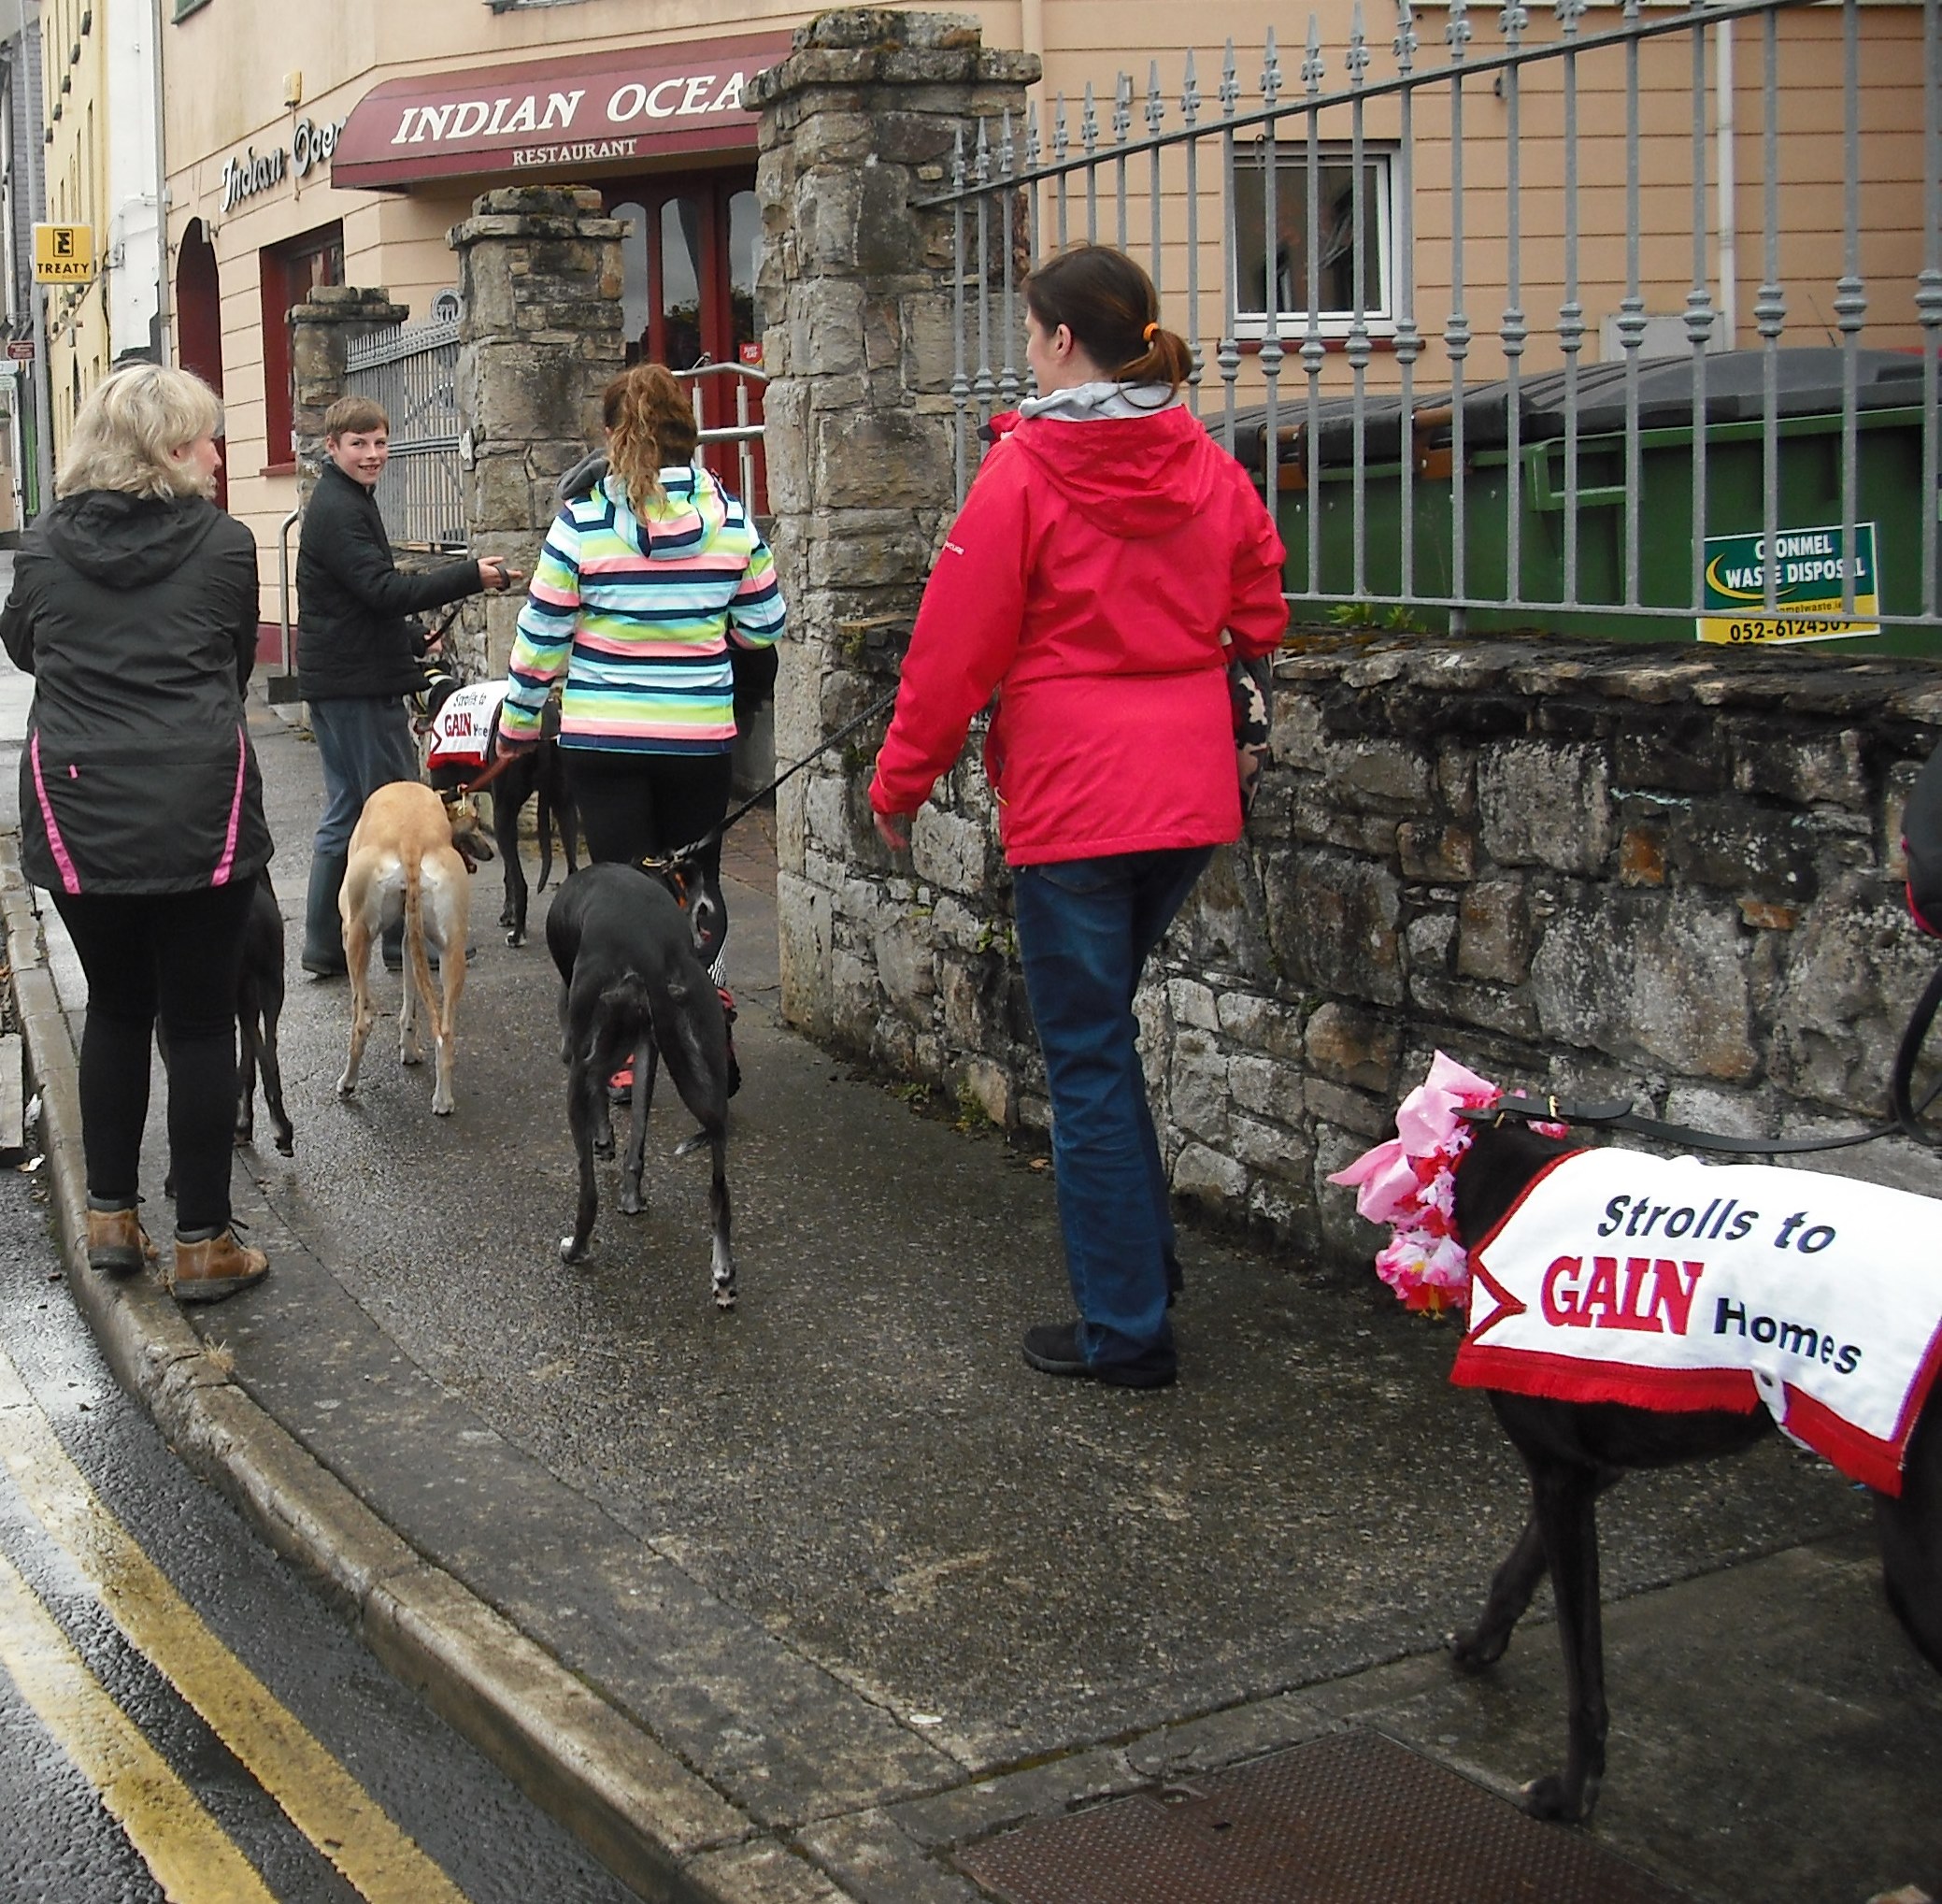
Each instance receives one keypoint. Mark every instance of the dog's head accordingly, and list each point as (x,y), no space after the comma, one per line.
(469,837)
(682,874)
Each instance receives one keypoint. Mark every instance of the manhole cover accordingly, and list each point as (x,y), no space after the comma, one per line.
(1350,1818)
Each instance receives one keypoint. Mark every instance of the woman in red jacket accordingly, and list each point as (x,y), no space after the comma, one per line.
(1109,562)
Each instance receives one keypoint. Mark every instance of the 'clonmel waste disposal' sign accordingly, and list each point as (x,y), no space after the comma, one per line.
(1810,569)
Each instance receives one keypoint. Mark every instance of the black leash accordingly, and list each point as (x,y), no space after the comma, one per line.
(1617,1113)
(694,848)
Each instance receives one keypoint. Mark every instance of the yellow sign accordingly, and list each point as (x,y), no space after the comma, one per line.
(63,253)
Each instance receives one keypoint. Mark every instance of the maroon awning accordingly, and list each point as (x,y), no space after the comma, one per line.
(545,115)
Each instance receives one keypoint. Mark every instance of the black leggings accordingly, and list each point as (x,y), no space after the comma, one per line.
(644,805)
(176,956)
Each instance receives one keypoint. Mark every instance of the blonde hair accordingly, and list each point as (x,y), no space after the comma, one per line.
(125,434)
(650,425)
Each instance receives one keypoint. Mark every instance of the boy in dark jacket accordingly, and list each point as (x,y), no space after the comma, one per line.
(358,654)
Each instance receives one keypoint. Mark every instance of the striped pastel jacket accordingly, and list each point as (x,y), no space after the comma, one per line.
(639,614)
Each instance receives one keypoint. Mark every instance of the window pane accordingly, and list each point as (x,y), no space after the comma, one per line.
(633,270)
(680,282)
(1335,238)
(744,261)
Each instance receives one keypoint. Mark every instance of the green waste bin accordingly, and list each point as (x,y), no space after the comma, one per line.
(1891,499)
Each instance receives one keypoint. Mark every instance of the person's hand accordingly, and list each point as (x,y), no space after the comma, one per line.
(497,575)
(894,830)
(505,743)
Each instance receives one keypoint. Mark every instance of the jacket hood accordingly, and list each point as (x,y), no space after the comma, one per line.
(678,523)
(126,542)
(1131,475)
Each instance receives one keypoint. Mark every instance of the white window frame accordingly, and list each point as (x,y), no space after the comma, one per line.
(1381,270)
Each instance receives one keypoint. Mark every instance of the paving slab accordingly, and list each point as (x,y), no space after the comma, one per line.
(854,1587)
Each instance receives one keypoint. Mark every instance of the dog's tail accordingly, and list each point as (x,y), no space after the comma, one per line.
(625,1004)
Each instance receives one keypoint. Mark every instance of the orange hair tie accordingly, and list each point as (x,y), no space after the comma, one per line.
(1147,335)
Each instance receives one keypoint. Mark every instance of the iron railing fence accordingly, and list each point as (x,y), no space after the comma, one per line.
(412,370)
(1609,187)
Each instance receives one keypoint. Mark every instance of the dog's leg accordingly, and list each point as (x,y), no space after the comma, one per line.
(354,904)
(1564,1497)
(412,987)
(1511,1587)
(1910,1529)
(641,1100)
(506,834)
(249,1046)
(285,1132)
(722,1260)
(444,890)
(585,1088)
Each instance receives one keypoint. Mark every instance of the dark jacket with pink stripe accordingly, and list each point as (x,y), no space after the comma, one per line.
(137,617)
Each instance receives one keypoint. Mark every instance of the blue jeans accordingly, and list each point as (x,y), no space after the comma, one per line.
(363,744)
(1085,929)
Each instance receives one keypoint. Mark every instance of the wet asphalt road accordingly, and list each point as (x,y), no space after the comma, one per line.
(58,1842)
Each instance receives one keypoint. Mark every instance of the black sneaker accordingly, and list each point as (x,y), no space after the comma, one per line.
(1052,1349)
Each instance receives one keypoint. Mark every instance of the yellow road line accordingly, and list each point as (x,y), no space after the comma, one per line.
(191,1859)
(320,1798)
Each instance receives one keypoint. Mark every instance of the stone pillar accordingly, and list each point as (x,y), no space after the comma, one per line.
(320,331)
(539,336)
(857,125)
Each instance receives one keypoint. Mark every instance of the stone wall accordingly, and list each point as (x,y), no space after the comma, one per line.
(539,338)
(1654,872)
(857,127)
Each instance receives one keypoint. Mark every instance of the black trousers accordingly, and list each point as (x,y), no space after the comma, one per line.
(644,805)
(177,957)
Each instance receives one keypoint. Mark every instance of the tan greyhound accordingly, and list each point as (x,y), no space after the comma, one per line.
(410,859)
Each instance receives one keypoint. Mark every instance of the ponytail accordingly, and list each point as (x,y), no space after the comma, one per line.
(1110,307)
(650,425)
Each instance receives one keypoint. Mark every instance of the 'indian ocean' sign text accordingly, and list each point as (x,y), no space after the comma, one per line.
(1810,570)
(1677,1285)
(580,128)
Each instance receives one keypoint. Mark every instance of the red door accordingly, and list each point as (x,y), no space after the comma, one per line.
(688,300)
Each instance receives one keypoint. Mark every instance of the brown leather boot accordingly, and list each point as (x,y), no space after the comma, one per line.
(117,1243)
(216,1266)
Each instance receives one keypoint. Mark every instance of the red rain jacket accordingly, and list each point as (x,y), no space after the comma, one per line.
(1087,584)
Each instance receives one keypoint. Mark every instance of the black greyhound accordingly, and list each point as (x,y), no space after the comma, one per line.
(536,771)
(1574,1450)
(259,987)
(631,985)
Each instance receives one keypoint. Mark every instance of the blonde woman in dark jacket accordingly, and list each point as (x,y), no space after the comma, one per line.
(135,609)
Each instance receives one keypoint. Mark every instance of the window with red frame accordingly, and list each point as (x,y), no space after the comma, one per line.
(290,272)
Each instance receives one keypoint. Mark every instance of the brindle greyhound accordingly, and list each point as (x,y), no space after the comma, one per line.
(1573,1451)
(410,856)
(633,985)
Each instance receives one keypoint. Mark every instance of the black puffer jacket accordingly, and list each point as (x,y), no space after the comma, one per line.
(137,617)
(355,639)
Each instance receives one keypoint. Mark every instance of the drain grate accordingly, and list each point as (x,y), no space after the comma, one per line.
(1350,1819)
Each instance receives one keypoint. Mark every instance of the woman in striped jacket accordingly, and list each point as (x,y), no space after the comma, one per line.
(646,583)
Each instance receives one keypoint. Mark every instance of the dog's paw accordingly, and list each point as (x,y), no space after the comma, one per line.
(725,1299)
(286,1146)
(631,1202)
(571,1250)
(604,1147)
(514,937)
(1477,1651)
(443,1107)
(1549,1798)
(347,1087)
(411,1057)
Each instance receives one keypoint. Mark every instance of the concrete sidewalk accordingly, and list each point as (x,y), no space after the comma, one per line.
(804,1602)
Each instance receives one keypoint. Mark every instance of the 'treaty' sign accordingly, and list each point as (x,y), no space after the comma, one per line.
(63,253)
(629,103)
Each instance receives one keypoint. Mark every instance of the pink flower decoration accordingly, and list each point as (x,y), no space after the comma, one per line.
(1409,1181)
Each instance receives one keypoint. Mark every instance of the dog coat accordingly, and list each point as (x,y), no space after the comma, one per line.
(462,729)
(1676,1285)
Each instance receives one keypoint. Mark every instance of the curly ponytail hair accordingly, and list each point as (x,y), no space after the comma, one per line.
(1112,310)
(651,426)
